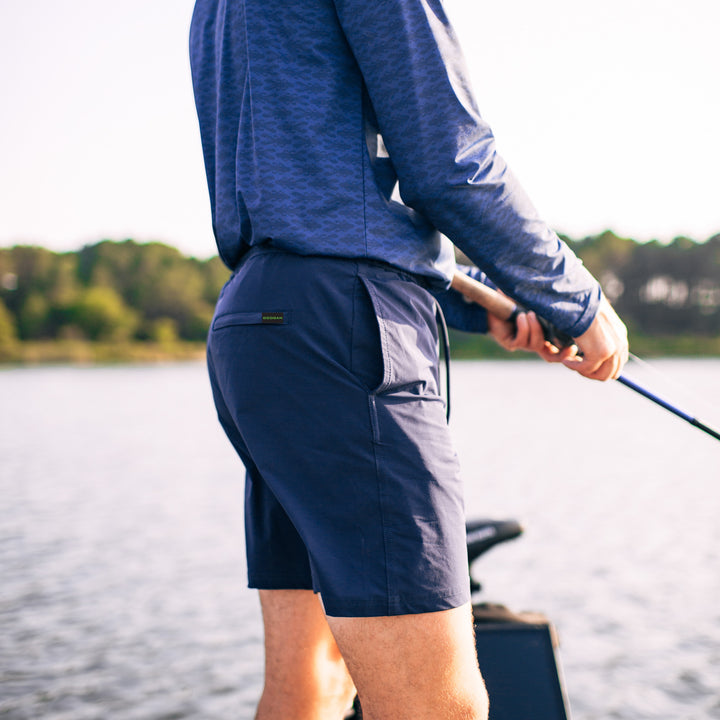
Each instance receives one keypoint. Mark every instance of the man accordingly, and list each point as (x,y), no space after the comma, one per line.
(340,139)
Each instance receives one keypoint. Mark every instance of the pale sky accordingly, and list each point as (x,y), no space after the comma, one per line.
(608,112)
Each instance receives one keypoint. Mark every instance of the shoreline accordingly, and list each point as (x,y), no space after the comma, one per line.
(463,346)
(82,352)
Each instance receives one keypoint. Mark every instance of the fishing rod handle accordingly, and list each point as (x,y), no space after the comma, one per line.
(504,307)
(494,302)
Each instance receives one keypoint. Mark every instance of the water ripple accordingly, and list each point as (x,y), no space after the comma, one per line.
(123,591)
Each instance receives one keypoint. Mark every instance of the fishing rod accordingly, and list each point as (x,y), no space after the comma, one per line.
(506,309)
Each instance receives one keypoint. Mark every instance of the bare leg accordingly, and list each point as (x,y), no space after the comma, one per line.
(305,675)
(414,667)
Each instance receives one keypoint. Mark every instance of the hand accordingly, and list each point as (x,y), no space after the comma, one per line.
(603,348)
(526,333)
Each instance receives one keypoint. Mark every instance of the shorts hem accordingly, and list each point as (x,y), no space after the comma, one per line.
(264,583)
(386,607)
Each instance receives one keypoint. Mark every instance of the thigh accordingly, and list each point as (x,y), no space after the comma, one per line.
(305,675)
(414,667)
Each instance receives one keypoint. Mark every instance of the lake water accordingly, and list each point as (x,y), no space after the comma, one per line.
(122,587)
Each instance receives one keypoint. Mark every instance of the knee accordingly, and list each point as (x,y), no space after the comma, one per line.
(322,690)
(333,682)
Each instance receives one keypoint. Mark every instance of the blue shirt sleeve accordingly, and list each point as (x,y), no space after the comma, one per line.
(446,160)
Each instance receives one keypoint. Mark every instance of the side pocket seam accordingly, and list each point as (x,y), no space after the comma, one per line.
(382,327)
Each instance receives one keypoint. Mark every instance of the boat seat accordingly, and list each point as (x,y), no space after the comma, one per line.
(485,534)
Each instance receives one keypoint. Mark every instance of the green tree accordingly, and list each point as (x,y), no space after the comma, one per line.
(101,314)
(163,330)
(8,331)
(32,267)
(158,282)
(216,274)
(34,317)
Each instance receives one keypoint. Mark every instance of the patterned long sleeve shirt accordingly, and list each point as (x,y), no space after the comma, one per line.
(349,128)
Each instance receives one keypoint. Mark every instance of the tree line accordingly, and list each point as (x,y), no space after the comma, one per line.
(108,291)
(126,291)
(659,289)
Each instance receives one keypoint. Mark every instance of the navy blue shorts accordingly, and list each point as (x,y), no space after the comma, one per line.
(325,378)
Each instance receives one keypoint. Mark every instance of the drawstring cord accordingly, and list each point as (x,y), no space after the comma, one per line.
(442,325)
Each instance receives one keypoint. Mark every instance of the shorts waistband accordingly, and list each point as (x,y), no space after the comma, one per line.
(371,264)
